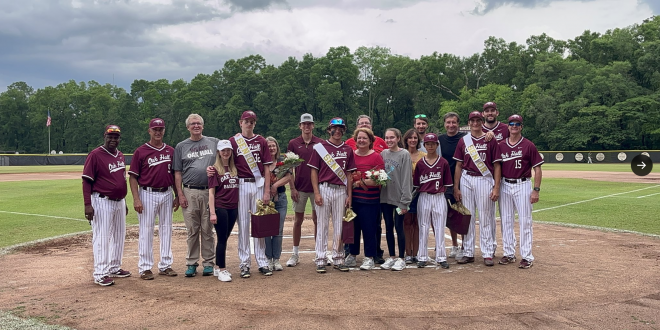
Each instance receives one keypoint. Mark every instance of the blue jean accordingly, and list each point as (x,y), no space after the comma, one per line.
(366,223)
(393,220)
(274,243)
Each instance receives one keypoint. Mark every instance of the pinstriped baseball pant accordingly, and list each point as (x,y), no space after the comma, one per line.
(517,197)
(476,196)
(155,204)
(247,202)
(432,209)
(108,235)
(334,198)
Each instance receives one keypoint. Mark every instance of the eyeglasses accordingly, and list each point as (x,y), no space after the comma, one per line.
(337,121)
(196,124)
(112,130)
(420,116)
(515,124)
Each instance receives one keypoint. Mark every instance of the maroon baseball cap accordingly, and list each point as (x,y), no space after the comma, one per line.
(112,129)
(489,105)
(249,114)
(156,122)
(475,114)
(517,118)
(431,137)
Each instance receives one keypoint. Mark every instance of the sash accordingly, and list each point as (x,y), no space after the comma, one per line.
(249,158)
(332,164)
(472,150)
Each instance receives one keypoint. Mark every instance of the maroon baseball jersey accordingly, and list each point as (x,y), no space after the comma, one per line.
(379,144)
(342,154)
(153,166)
(302,172)
(259,148)
(226,190)
(487,151)
(432,178)
(519,159)
(107,173)
(501,131)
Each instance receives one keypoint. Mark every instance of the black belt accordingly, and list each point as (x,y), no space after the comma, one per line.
(110,199)
(473,173)
(248,179)
(164,189)
(516,180)
(195,187)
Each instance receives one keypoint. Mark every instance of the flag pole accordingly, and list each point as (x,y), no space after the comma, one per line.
(48,140)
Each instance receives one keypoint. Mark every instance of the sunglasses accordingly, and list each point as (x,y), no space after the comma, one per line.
(420,116)
(112,130)
(515,124)
(337,121)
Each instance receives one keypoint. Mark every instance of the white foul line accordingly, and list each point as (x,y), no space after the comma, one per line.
(593,199)
(649,195)
(42,215)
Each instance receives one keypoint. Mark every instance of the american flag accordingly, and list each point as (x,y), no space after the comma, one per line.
(48,121)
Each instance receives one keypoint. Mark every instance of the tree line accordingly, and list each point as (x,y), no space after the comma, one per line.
(594,92)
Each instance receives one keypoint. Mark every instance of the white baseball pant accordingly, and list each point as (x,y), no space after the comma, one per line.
(476,196)
(432,208)
(517,197)
(108,235)
(155,204)
(334,197)
(247,201)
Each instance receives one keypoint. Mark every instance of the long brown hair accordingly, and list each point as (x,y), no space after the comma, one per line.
(397,133)
(407,136)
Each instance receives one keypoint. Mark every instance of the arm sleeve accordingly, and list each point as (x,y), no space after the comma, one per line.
(446,174)
(265,154)
(87,191)
(415,178)
(494,152)
(136,163)
(458,154)
(178,158)
(406,180)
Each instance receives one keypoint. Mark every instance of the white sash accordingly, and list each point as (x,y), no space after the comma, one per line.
(249,158)
(472,150)
(327,158)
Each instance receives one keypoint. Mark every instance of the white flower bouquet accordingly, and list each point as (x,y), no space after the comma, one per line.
(290,161)
(378,176)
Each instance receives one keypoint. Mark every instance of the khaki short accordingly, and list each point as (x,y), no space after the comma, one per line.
(302,202)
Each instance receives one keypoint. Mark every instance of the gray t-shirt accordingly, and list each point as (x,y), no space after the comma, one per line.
(399,167)
(193,157)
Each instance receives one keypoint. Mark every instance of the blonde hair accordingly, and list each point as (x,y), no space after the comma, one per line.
(272,139)
(194,116)
(220,167)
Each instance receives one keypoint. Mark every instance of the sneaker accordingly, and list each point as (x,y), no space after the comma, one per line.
(399,264)
(320,269)
(293,261)
(271,266)
(191,271)
(224,276)
(460,253)
(245,272)
(367,264)
(341,268)
(328,258)
(415,260)
(443,264)
(379,260)
(120,273)
(489,262)
(208,271)
(104,281)
(409,260)
(265,271)
(524,264)
(350,261)
(388,263)
(147,275)
(277,265)
(453,252)
(167,272)
(507,260)
(421,264)
(216,272)
(465,260)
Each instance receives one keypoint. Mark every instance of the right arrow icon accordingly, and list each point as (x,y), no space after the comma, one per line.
(642,165)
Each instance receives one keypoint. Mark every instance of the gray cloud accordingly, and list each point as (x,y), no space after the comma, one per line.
(489,5)
(355,4)
(249,5)
(390,21)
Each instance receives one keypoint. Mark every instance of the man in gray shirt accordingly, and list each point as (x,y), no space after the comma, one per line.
(191,158)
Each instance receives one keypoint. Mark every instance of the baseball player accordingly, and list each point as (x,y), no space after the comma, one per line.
(432,176)
(104,189)
(191,158)
(330,163)
(151,179)
(491,125)
(251,154)
(519,157)
(478,175)
(301,187)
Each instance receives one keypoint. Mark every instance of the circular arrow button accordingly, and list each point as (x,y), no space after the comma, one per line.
(641,165)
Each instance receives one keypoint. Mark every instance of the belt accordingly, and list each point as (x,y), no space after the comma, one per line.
(516,180)
(248,179)
(164,189)
(334,186)
(473,173)
(195,187)
(110,199)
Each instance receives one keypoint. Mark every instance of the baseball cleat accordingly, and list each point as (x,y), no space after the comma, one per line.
(465,260)
(265,271)
(524,264)
(104,281)
(443,264)
(489,262)
(147,275)
(507,260)
(120,273)
(320,269)
(167,272)
(245,273)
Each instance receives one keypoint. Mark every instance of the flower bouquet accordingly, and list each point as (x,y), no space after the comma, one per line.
(290,161)
(378,176)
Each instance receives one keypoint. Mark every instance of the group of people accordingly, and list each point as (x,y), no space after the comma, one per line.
(407,179)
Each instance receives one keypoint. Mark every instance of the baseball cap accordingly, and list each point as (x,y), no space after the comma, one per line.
(156,122)
(517,118)
(488,105)
(112,129)
(337,122)
(249,114)
(431,137)
(224,144)
(306,118)
(475,114)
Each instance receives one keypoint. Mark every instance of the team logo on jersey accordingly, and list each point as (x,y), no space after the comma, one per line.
(498,136)
(158,160)
(424,178)
(199,151)
(514,154)
(339,154)
(116,167)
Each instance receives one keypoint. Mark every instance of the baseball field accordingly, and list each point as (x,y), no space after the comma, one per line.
(596,243)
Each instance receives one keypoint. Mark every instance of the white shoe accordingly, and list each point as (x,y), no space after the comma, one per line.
(453,252)
(399,264)
(350,261)
(408,260)
(367,264)
(460,253)
(388,263)
(224,276)
(277,265)
(216,272)
(270,264)
(293,261)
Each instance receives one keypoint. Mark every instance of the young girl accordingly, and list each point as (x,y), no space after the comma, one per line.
(223,204)
(412,143)
(278,193)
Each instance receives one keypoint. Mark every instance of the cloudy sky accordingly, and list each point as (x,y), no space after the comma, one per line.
(47,42)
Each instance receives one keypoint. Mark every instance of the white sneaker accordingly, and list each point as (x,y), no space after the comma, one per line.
(453,252)
(216,272)
(293,261)
(270,264)
(460,253)
(388,263)
(224,276)
(367,264)
(399,264)
(277,265)
(350,261)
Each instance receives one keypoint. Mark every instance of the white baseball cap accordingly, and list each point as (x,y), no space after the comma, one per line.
(306,118)
(224,144)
